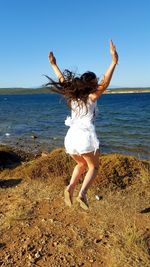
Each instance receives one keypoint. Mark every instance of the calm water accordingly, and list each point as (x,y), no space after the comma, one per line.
(123,122)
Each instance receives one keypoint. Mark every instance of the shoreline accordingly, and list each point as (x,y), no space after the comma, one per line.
(35,148)
(36,123)
(22,91)
(127,92)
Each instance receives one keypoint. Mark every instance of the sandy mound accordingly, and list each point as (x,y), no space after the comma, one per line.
(37,229)
(115,170)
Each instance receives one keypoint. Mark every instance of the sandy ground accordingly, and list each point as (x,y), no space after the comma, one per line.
(38,229)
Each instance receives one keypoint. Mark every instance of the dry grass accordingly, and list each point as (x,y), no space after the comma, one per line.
(115,232)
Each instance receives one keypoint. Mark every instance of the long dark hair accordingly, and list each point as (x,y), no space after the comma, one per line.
(75,87)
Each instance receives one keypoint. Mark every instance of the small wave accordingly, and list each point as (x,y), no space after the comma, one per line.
(7,134)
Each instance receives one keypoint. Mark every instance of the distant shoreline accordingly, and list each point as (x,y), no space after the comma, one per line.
(127,91)
(44,90)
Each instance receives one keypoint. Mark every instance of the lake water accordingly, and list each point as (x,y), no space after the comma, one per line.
(122,125)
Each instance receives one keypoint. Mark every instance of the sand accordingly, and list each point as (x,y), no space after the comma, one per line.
(38,229)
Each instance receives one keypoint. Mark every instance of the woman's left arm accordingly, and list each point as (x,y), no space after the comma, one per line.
(108,74)
(57,71)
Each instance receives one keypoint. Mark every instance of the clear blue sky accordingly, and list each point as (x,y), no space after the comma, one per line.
(78,32)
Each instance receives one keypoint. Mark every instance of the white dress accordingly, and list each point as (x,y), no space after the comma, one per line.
(81,137)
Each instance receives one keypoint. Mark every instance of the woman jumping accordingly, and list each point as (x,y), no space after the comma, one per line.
(81,141)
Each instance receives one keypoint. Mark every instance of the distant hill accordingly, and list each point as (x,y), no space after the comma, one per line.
(46,90)
(41,90)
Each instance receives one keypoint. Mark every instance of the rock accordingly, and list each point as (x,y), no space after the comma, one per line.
(37,255)
(43,241)
(44,154)
(98,197)
(33,136)
(55,243)
(92,260)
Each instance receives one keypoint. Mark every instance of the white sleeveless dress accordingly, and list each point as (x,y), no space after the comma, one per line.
(81,137)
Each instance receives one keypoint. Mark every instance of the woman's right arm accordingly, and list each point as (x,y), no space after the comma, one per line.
(108,74)
(57,71)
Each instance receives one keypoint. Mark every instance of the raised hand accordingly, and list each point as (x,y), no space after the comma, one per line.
(51,58)
(56,69)
(113,52)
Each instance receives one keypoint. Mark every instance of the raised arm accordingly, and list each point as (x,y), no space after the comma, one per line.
(108,74)
(53,63)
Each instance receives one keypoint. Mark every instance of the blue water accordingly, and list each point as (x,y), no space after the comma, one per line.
(122,125)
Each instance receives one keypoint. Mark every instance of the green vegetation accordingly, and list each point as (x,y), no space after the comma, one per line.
(40,90)
(45,90)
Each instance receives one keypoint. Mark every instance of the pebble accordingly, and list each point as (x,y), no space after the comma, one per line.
(37,255)
(55,243)
(44,154)
(98,197)
(43,241)
(33,136)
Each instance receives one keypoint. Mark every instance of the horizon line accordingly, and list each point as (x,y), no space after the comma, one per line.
(39,87)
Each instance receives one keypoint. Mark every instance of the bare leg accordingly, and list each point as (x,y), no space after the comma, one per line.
(92,161)
(76,175)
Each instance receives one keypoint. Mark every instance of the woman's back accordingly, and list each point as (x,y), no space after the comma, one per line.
(83,114)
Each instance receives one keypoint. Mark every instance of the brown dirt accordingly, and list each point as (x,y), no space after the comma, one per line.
(37,229)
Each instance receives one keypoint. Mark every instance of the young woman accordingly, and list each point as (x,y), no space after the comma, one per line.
(81,141)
